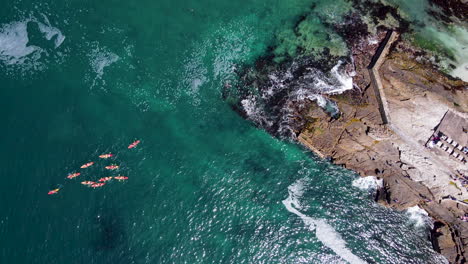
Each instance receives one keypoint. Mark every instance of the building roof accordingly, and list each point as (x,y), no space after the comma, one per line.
(455,127)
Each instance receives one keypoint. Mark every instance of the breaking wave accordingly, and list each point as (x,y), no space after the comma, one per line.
(15,49)
(369,183)
(277,99)
(13,44)
(324,232)
(418,216)
(50,32)
(100,58)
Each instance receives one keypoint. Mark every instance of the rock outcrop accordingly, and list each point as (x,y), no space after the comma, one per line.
(451,8)
(359,141)
(290,96)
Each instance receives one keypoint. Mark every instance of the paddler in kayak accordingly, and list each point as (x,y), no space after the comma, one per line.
(55,191)
(87,165)
(87,183)
(112,167)
(106,156)
(121,178)
(105,179)
(134,144)
(73,175)
(96,185)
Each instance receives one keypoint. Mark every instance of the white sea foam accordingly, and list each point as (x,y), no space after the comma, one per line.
(100,58)
(369,183)
(343,78)
(320,83)
(249,106)
(50,31)
(270,112)
(321,101)
(267,110)
(324,232)
(13,43)
(372,41)
(418,216)
(252,111)
(196,83)
(213,60)
(15,49)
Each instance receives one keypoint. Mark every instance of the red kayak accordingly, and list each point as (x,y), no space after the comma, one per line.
(88,183)
(73,175)
(105,179)
(121,178)
(53,191)
(134,144)
(112,167)
(87,165)
(106,156)
(96,185)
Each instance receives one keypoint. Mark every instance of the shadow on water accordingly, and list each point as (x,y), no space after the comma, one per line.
(109,240)
(109,232)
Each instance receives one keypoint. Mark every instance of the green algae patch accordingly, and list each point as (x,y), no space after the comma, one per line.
(311,36)
(432,45)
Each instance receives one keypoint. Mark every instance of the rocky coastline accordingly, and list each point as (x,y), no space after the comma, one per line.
(357,137)
(359,141)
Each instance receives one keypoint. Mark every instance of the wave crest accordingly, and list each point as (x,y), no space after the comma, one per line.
(274,101)
(324,231)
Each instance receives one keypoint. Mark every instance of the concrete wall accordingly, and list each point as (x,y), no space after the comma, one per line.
(374,67)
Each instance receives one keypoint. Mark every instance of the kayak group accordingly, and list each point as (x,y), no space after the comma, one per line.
(102,181)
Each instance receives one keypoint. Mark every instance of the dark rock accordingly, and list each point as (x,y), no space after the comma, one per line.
(379,11)
(450,8)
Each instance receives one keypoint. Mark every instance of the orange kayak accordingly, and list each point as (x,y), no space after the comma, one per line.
(134,144)
(96,185)
(121,178)
(73,175)
(112,167)
(53,191)
(106,156)
(89,164)
(105,179)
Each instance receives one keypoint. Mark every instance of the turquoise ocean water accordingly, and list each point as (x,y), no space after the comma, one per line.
(82,78)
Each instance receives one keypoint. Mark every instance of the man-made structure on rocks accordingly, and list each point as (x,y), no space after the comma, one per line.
(453,135)
(386,114)
(374,67)
(417,97)
(449,142)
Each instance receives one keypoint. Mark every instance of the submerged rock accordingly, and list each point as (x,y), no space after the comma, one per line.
(451,9)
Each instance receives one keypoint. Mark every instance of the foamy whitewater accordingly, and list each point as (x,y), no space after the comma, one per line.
(14,39)
(418,216)
(100,58)
(50,32)
(13,43)
(369,183)
(280,116)
(324,232)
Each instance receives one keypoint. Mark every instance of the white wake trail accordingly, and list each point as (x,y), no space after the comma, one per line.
(324,232)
